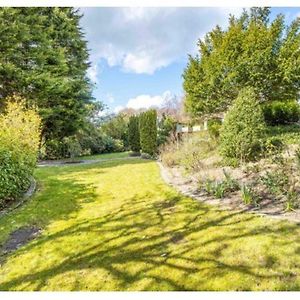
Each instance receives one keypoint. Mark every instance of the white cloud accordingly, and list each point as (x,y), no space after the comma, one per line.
(147,101)
(143,40)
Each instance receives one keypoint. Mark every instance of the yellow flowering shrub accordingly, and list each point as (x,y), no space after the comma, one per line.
(19,144)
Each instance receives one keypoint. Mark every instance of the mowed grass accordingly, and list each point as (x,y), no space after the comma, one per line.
(116,226)
(104,156)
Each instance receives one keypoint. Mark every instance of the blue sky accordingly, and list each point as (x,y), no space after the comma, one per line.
(138,54)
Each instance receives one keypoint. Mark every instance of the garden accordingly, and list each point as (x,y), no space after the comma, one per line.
(123,201)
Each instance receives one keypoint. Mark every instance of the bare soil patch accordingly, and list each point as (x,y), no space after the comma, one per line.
(20,237)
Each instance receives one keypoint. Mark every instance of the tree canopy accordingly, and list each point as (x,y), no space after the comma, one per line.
(252,52)
(44,58)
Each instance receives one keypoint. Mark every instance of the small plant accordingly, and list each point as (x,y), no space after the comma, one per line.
(275,181)
(247,194)
(231,184)
(209,186)
(291,201)
(219,190)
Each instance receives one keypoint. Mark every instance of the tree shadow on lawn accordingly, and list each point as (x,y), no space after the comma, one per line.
(137,245)
(55,189)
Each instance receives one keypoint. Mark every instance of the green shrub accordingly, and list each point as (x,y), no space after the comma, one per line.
(112,145)
(134,134)
(19,143)
(53,149)
(243,129)
(73,146)
(281,112)
(148,132)
(213,127)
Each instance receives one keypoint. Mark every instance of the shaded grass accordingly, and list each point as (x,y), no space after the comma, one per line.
(104,156)
(117,226)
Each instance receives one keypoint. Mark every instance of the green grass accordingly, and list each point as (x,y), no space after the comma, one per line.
(117,226)
(104,156)
(289,134)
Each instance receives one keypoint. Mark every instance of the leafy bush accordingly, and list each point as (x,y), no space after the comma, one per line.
(73,146)
(91,140)
(53,149)
(148,132)
(112,145)
(213,127)
(134,134)
(243,129)
(281,112)
(19,143)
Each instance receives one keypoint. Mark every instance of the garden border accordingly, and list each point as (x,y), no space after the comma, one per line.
(30,191)
(187,190)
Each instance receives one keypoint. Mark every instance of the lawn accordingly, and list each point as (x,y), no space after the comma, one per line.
(104,156)
(116,225)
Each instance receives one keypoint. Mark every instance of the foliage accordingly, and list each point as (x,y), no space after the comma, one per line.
(248,195)
(53,149)
(112,145)
(273,145)
(90,139)
(73,146)
(281,112)
(19,142)
(44,57)
(282,181)
(134,134)
(251,52)
(213,127)
(117,128)
(288,134)
(243,128)
(148,131)
(166,129)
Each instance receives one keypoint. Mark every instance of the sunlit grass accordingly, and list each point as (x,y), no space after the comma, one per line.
(117,226)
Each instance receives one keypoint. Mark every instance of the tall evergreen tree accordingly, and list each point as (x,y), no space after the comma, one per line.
(252,52)
(44,58)
(134,134)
